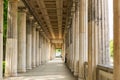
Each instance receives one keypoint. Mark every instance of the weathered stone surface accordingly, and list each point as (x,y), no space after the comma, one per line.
(76,54)
(83,37)
(34,46)
(29,44)
(21,41)
(11,44)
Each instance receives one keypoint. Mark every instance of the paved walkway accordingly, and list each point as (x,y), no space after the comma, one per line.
(54,70)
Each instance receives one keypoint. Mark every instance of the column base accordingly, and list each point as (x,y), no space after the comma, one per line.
(34,66)
(22,70)
(10,74)
(76,74)
(80,79)
(29,68)
(72,70)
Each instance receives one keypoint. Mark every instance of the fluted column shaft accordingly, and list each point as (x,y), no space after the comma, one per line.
(22,40)
(40,51)
(34,45)
(98,38)
(83,40)
(37,48)
(29,43)
(73,43)
(11,44)
(76,56)
(1,38)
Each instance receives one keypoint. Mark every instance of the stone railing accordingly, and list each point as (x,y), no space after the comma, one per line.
(104,72)
(86,70)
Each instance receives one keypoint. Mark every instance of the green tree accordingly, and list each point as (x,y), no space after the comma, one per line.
(111,48)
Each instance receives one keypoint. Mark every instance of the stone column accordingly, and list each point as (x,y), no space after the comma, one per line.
(40,44)
(116,40)
(1,38)
(76,56)
(37,47)
(34,45)
(92,55)
(29,43)
(83,41)
(49,44)
(42,51)
(73,46)
(45,51)
(11,44)
(21,40)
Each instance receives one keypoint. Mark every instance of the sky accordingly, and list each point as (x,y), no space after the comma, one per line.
(110,18)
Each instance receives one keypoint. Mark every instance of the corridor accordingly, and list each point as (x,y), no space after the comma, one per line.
(53,70)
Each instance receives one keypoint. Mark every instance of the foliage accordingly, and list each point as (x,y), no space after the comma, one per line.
(3,66)
(111,48)
(5,26)
(5,20)
(58,50)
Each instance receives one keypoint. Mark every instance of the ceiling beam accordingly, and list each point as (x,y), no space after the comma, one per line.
(44,12)
(59,6)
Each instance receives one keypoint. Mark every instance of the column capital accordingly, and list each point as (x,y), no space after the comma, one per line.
(13,0)
(35,23)
(22,9)
(31,17)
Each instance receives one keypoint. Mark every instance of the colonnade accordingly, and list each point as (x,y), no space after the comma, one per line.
(26,47)
(86,39)
(90,37)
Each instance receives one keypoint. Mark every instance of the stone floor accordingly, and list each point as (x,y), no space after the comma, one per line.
(54,70)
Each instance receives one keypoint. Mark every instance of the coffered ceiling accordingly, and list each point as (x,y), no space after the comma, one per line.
(51,14)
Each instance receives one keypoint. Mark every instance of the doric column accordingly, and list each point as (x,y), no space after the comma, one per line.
(45,51)
(92,47)
(98,39)
(83,41)
(73,44)
(11,44)
(42,51)
(76,56)
(116,40)
(29,43)
(37,48)
(40,48)
(22,40)
(34,45)
(1,38)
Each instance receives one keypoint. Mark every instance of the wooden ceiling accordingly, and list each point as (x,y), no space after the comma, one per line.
(51,14)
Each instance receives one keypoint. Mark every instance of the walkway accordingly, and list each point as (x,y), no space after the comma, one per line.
(54,70)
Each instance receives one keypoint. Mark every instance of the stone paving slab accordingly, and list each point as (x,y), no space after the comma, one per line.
(54,70)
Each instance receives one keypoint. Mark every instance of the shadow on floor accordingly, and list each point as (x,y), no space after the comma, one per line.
(53,70)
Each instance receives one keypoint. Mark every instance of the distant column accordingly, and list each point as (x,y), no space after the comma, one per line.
(1,38)
(34,45)
(29,43)
(37,48)
(11,44)
(22,40)
(76,56)
(42,51)
(73,46)
(116,40)
(40,48)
